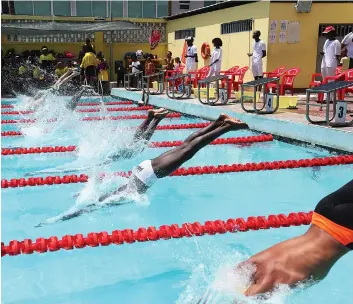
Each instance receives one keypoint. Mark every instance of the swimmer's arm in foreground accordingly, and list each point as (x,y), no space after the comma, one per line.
(309,257)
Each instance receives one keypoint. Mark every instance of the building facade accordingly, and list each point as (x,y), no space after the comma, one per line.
(73,8)
(178,7)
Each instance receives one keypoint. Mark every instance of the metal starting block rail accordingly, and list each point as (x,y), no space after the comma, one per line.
(220,93)
(136,78)
(180,87)
(147,81)
(268,105)
(337,107)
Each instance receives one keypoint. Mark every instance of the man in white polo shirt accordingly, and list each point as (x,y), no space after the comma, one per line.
(347,43)
(331,53)
(191,55)
(259,52)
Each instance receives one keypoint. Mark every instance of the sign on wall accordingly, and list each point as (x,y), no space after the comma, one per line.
(272,37)
(155,38)
(293,32)
(273,25)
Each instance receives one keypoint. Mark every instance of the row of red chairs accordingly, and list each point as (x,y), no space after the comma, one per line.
(317,80)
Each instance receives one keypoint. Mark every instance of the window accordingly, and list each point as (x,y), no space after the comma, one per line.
(184,5)
(135,9)
(208,3)
(83,8)
(236,26)
(42,8)
(117,9)
(182,34)
(23,7)
(149,9)
(62,8)
(99,8)
(162,8)
(341,29)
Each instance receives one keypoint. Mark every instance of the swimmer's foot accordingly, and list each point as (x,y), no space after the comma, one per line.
(160,113)
(150,114)
(222,117)
(236,124)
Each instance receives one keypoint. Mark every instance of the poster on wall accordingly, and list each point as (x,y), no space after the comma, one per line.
(293,32)
(283,25)
(272,37)
(282,38)
(273,26)
(155,38)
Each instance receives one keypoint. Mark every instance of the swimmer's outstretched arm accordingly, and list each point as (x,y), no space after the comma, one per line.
(311,255)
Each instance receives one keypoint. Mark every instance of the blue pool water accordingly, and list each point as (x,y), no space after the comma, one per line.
(173,271)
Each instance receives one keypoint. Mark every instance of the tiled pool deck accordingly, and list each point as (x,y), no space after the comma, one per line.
(283,123)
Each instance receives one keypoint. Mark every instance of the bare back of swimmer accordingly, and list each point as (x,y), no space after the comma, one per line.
(146,173)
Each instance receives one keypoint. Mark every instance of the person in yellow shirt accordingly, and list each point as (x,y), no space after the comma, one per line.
(89,64)
(344,63)
(60,69)
(47,59)
(103,74)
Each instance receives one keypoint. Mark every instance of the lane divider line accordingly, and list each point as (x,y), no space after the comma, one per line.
(122,117)
(91,110)
(220,169)
(160,128)
(151,233)
(161,144)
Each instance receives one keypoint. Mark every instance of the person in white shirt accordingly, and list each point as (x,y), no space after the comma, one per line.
(216,58)
(259,52)
(331,53)
(135,68)
(347,43)
(191,55)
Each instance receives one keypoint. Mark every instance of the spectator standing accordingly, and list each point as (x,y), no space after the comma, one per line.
(258,52)
(347,43)
(89,64)
(103,74)
(169,61)
(47,59)
(135,68)
(216,58)
(191,55)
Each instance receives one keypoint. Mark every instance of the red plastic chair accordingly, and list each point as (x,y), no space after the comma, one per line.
(171,73)
(199,75)
(340,76)
(231,73)
(239,77)
(316,82)
(275,73)
(348,77)
(287,82)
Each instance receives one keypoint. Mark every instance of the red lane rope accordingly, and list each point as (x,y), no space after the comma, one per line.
(109,103)
(122,117)
(163,127)
(7,106)
(220,169)
(151,233)
(94,110)
(162,144)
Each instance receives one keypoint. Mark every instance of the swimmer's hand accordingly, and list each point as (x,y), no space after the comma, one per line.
(309,256)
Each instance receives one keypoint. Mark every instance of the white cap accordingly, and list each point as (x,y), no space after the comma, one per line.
(189,38)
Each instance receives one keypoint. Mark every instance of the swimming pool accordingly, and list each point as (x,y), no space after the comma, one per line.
(176,270)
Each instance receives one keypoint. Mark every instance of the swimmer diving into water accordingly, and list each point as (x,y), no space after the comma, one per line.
(145,174)
(142,135)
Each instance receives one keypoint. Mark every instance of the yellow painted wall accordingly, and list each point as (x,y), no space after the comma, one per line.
(119,49)
(235,46)
(304,53)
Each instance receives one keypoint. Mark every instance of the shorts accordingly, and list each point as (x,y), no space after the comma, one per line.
(90,71)
(82,71)
(145,173)
(257,70)
(334,215)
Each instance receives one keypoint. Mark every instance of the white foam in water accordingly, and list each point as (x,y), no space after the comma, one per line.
(220,282)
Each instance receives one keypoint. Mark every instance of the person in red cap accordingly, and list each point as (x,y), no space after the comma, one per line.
(331,52)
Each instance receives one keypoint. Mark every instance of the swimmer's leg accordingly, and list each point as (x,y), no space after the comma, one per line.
(158,116)
(167,163)
(72,104)
(143,127)
(218,122)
